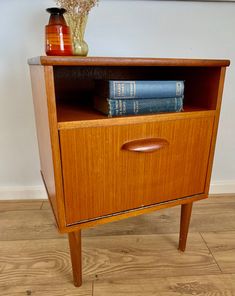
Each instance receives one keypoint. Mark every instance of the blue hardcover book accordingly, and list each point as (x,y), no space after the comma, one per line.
(142,89)
(134,107)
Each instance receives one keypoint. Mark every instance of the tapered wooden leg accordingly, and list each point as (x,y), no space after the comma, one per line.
(186,211)
(76,256)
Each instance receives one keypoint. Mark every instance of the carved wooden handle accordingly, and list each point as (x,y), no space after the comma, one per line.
(145,145)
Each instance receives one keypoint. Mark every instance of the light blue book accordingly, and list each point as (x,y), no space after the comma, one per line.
(142,89)
(139,106)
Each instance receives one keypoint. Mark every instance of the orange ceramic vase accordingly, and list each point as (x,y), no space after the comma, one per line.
(58,38)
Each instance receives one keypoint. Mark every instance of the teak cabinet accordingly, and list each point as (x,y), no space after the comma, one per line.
(98,169)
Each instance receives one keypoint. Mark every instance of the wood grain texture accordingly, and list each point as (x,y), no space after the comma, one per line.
(37,261)
(215,129)
(74,78)
(43,132)
(65,289)
(47,262)
(209,217)
(220,198)
(186,211)
(55,147)
(123,264)
(46,123)
(70,117)
(20,205)
(212,199)
(76,256)
(119,180)
(91,180)
(206,285)
(119,61)
(147,145)
(31,224)
(46,205)
(37,266)
(18,225)
(222,246)
(145,257)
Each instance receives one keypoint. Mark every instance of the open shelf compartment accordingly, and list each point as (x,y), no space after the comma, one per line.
(76,86)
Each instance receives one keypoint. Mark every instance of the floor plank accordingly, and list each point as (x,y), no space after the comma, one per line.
(220,198)
(13,205)
(47,290)
(146,256)
(210,285)
(35,260)
(205,217)
(20,225)
(214,198)
(44,263)
(222,246)
(47,262)
(46,205)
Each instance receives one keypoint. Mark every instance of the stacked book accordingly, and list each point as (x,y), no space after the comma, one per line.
(118,98)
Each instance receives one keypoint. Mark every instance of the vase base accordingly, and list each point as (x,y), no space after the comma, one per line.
(80,48)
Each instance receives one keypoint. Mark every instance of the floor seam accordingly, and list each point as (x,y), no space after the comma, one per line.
(211,252)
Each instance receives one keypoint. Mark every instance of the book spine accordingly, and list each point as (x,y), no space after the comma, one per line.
(142,89)
(132,107)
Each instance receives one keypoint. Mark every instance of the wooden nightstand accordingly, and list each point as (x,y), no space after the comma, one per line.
(88,163)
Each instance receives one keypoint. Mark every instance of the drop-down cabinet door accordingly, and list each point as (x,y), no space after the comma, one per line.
(115,168)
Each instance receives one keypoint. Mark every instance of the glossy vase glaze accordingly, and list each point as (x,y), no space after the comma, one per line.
(77,24)
(57,33)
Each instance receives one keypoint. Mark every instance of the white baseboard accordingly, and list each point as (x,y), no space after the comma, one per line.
(39,192)
(222,187)
(22,192)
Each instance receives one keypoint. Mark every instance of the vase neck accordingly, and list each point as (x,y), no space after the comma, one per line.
(56,16)
(57,20)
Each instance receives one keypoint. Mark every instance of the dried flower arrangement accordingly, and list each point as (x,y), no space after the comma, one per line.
(77,7)
(76,17)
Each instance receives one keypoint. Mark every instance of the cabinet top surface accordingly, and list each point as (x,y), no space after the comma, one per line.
(124,61)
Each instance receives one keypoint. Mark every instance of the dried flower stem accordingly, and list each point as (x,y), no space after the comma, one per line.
(77,7)
(76,15)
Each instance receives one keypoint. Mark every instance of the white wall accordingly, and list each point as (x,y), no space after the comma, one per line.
(115,28)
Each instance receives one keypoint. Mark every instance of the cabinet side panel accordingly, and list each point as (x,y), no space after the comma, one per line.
(40,100)
(215,127)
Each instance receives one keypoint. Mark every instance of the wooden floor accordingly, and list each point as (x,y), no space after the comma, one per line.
(137,256)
